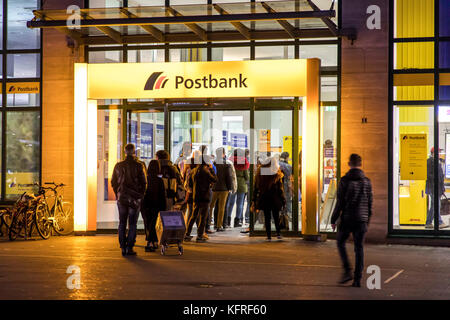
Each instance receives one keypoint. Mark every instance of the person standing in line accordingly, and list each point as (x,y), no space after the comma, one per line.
(241,166)
(429,190)
(171,177)
(220,189)
(129,183)
(247,195)
(190,165)
(352,215)
(186,151)
(269,194)
(154,202)
(286,168)
(200,182)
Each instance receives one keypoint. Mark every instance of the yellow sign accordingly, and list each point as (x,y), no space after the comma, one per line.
(264,140)
(287,144)
(260,78)
(23,87)
(413,153)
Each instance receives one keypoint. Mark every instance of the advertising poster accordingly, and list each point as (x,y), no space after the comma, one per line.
(264,140)
(238,140)
(329,165)
(287,145)
(413,157)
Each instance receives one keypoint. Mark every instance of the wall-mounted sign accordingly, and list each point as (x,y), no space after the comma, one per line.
(22,87)
(197,79)
(238,140)
(413,157)
(264,140)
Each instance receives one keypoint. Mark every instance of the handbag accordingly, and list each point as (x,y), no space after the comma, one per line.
(445,206)
(284,221)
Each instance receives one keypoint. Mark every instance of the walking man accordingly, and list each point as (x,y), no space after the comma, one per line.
(129,183)
(352,215)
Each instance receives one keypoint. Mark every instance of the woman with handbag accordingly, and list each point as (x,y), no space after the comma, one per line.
(269,194)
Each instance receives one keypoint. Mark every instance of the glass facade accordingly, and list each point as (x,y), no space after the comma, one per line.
(153,124)
(20,127)
(420,117)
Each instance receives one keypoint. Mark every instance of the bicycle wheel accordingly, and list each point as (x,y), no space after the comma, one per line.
(43,223)
(63,219)
(17,228)
(7,219)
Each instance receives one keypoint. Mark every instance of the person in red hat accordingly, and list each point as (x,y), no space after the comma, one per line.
(429,190)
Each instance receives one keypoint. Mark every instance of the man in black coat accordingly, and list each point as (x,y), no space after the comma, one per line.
(129,183)
(171,176)
(353,210)
(200,182)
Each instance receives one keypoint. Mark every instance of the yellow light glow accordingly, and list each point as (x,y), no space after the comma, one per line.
(80,151)
(262,79)
(92,165)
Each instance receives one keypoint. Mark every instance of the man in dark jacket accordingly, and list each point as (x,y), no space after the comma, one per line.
(429,190)
(171,177)
(353,209)
(200,182)
(129,183)
(221,188)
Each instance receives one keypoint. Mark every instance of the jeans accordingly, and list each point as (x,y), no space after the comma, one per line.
(230,204)
(131,215)
(219,197)
(358,230)
(200,212)
(247,211)
(268,212)
(430,211)
(240,205)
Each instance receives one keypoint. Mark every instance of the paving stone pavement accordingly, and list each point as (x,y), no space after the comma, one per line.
(227,267)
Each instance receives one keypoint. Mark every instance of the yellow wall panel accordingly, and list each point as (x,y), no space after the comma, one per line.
(414,55)
(414,18)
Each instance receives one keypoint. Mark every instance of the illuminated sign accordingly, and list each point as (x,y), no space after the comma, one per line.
(261,78)
(22,87)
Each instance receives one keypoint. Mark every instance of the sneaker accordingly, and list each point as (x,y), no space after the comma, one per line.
(443,226)
(220,230)
(188,238)
(279,237)
(246,230)
(268,239)
(346,277)
(201,239)
(356,284)
(428,226)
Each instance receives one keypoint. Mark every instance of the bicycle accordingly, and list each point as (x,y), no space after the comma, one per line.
(22,216)
(58,217)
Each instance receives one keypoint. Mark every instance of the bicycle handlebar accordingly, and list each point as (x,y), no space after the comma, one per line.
(55,184)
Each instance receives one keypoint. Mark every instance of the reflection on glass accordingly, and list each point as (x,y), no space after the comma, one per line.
(413,170)
(22,152)
(230,54)
(23,65)
(444,160)
(105,56)
(19,36)
(273,133)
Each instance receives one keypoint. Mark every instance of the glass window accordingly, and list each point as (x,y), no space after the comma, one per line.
(105,56)
(188,54)
(230,54)
(414,55)
(147,134)
(142,3)
(273,135)
(444,160)
(327,53)
(328,89)
(444,13)
(413,167)
(105,3)
(416,93)
(444,54)
(408,13)
(22,152)
(274,52)
(109,148)
(23,100)
(146,55)
(24,65)
(19,36)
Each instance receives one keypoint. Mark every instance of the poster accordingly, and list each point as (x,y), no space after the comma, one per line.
(264,140)
(224,137)
(238,140)
(413,157)
(287,146)
(329,165)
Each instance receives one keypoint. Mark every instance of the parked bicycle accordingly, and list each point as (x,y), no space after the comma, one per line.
(57,217)
(32,211)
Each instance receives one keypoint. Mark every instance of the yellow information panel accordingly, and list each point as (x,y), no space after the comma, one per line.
(212,79)
(413,153)
(264,140)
